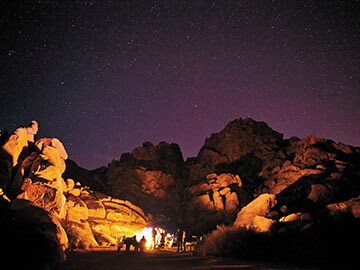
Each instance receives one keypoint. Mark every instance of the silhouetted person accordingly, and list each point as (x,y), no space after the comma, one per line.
(142,244)
(179,239)
(153,238)
(184,240)
(162,239)
(127,244)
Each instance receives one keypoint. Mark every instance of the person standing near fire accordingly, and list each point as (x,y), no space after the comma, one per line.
(179,234)
(153,239)
(183,240)
(142,244)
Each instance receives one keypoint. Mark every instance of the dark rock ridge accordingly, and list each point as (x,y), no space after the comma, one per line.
(242,147)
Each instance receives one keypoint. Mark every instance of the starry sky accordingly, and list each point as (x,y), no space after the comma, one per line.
(105,76)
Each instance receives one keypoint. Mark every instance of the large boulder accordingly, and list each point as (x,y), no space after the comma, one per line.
(253,215)
(94,219)
(216,200)
(31,195)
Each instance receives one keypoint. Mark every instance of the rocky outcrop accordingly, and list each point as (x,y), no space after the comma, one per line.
(303,174)
(162,157)
(61,214)
(247,183)
(241,148)
(32,193)
(307,207)
(296,188)
(94,219)
(154,191)
(150,177)
(253,215)
(216,200)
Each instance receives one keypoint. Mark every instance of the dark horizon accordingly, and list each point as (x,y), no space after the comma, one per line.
(104,77)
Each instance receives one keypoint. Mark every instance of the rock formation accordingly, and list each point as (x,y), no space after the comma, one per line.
(59,214)
(242,148)
(305,187)
(247,188)
(94,219)
(150,177)
(236,167)
(216,200)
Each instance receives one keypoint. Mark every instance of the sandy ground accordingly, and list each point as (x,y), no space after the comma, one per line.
(110,259)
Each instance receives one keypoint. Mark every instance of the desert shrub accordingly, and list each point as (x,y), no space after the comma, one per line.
(330,243)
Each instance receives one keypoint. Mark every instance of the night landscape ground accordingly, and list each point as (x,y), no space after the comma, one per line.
(110,259)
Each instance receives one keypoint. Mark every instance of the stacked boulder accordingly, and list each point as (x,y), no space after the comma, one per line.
(94,219)
(33,196)
(62,213)
(216,200)
(306,207)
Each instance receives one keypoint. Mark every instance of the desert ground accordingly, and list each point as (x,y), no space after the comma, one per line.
(111,259)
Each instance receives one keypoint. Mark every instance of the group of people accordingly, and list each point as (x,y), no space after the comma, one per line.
(139,246)
(159,240)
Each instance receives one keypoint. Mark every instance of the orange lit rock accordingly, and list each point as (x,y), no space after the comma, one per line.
(259,207)
(77,210)
(350,207)
(212,201)
(19,141)
(218,201)
(80,216)
(231,202)
(291,217)
(261,224)
(80,235)
(76,192)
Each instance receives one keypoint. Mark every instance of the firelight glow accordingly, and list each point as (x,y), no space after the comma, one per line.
(147,233)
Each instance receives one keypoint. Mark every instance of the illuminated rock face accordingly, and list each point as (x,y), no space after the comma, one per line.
(305,206)
(65,213)
(309,179)
(33,197)
(149,176)
(94,219)
(214,201)
(249,216)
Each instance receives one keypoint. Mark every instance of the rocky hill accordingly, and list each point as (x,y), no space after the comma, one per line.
(246,177)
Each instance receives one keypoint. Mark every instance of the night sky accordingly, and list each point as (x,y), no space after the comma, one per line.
(105,76)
